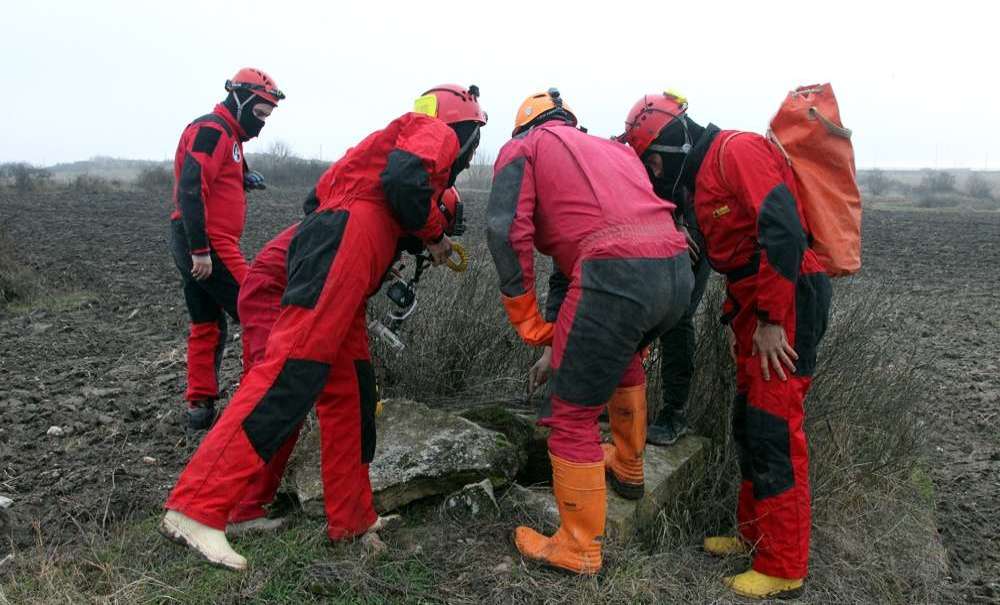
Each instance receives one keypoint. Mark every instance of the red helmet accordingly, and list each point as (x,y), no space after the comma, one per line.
(452,103)
(450,205)
(649,116)
(257,82)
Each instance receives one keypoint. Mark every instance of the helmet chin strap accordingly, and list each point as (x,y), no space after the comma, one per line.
(684,149)
(240,105)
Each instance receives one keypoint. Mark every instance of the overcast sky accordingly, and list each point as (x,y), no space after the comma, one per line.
(919,86)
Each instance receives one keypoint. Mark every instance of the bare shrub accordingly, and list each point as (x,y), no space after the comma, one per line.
(16,283)
(459,345)
(479,175)
(876,182)
(280,166)
(938,200)
(978,187)
(937,181)
(155,178)
(86,183)
(24,177)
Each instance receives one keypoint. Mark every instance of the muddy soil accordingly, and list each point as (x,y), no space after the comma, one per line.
(101,356)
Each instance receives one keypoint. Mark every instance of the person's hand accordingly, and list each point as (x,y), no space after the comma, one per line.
(770,342)
(540,372)
(253,180)
(201,266)
(440,252)
(693,250)
(731,341)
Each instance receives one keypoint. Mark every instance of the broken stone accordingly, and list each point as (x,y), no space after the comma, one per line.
(5,502)
(149,460)
(474,501)
(420,452)
(535,507)
(521,430)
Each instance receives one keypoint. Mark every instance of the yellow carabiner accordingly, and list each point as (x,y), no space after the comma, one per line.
(463,258)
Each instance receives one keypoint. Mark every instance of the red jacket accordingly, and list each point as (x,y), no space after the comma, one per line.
(208,188)
(405,166)
(756,234)
(555,186)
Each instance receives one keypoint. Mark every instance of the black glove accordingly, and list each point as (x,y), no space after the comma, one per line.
(253,180)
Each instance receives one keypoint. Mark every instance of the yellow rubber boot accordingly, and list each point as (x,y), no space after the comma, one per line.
(726,546)
(755,585)
(581,498)
(623,459)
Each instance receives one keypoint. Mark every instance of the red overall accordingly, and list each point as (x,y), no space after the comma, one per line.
(210,209)
(317,353)
(746,206)
(621,274)
(259,306)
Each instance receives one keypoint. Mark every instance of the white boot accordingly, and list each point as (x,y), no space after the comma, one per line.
(388,522)
(372,541)
(260,525)
(210,543)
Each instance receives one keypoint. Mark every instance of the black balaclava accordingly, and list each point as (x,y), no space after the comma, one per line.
(677,167)
(468,140)
(240,104)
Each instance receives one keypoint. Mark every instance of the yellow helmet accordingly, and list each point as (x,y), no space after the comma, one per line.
(538,105)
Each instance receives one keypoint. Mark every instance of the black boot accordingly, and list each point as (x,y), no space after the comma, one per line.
(201,415)
(670,426)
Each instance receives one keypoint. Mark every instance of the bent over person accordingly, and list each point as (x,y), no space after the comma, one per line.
(259,306)
(777,305)
(387,186)
(210,179)
(621,278)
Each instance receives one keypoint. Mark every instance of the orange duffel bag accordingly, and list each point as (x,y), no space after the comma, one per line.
(808,130)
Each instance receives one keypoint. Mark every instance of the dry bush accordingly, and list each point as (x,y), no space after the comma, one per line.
(478,176)
(978,187)
(939,200)
(937,181)
(24,177)
(459,344)
(16,283)
(876,182)
(282,168)
(156,179)
(87,183)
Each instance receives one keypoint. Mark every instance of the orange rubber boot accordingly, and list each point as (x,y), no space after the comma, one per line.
(623,459)
(581,498)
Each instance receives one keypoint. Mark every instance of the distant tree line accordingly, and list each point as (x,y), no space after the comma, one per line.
(936,187)
(24,177)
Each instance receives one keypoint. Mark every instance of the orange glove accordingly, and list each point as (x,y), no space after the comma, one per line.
(522,311)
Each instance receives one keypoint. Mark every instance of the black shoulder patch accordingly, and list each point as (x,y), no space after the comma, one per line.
(206,140)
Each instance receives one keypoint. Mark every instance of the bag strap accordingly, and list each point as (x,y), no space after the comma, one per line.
(722,150)
(831,127)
